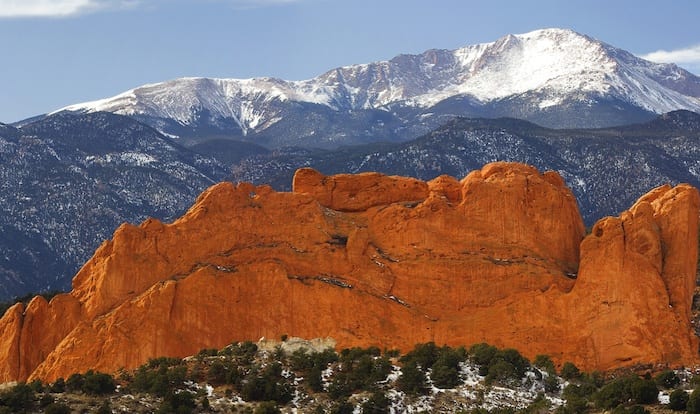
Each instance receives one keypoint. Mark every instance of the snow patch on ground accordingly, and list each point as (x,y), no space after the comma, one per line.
(139,159)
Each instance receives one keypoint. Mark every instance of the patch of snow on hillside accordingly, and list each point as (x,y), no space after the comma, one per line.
(137,158)
(113,104)
(546,103)
(128,158)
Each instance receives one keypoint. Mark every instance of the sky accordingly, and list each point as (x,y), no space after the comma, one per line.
(54,53)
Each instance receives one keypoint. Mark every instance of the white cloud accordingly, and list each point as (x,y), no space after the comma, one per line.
(56,8)
(686,56)
(67,8)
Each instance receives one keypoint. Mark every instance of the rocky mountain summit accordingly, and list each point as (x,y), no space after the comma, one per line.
(500,256)
(554,77)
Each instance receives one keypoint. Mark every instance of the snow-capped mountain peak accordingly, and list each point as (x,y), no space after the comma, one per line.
(553,59)
(539,71)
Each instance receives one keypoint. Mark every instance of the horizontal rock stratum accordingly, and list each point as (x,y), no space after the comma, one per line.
(500,256)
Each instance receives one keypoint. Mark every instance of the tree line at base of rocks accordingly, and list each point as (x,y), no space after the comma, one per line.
(267,381)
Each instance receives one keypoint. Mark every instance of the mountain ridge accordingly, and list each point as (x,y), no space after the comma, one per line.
(556,77)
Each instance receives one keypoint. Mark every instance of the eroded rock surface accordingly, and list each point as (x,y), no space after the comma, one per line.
(499,256)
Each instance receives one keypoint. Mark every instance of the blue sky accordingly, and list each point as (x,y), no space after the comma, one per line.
(60,52)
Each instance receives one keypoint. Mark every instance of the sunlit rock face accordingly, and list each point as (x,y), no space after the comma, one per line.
(500,256)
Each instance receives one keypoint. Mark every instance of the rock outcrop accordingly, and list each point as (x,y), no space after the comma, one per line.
(499,256)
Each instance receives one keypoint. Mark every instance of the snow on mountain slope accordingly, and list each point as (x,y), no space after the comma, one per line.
(551,66)
(560,63)
(180,99)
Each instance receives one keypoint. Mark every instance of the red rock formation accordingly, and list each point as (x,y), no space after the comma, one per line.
(346,192)
(376,260)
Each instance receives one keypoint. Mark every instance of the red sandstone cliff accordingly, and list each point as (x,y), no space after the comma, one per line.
(375,260)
